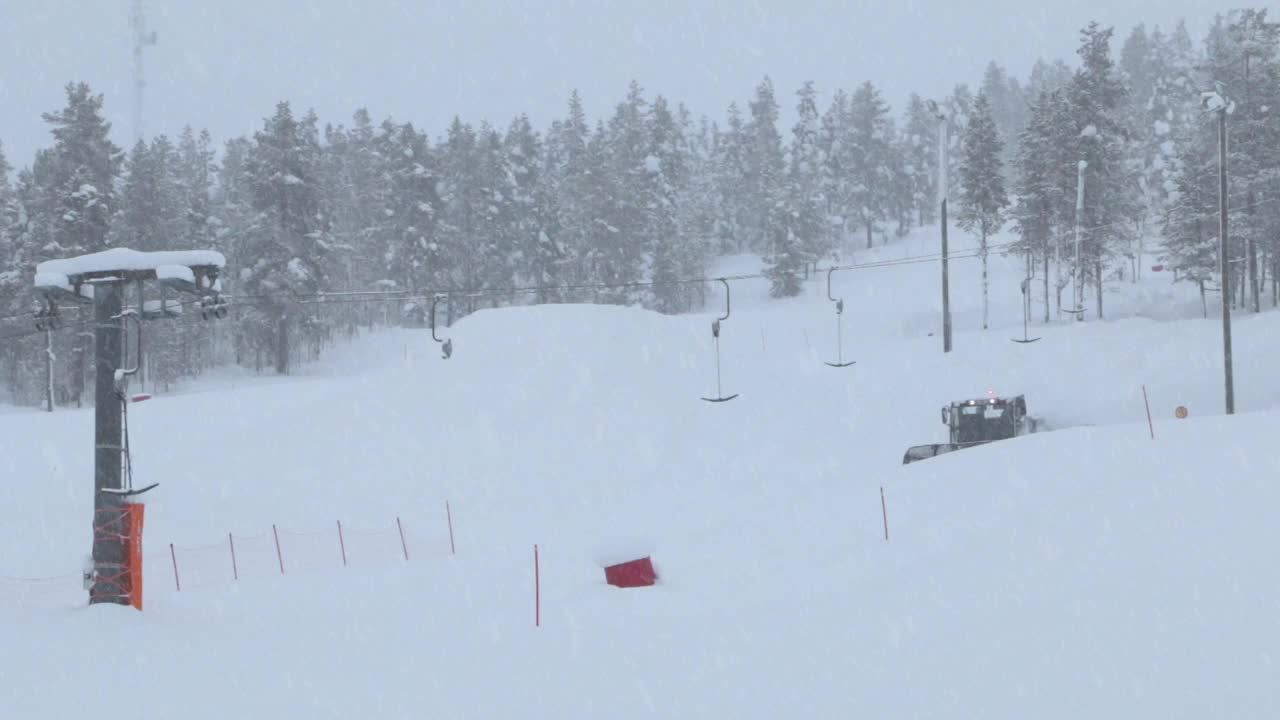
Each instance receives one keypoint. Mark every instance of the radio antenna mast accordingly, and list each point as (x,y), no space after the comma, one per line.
(141,39)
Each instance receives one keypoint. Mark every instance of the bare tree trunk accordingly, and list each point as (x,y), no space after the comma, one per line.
(82,353)
(1275,279)
(48,369)
(984,279)
(1046,288)
(1243,289)
(1098,272)
(1137,266)
(282,346)
(1057,301)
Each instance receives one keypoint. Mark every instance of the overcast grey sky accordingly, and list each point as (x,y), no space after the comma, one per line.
(223,64)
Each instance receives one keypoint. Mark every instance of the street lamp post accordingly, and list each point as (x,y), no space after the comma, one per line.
(941,116)
(1215,102)
(1077,292)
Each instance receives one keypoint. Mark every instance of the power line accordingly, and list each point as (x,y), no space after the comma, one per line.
(321,298)
(367,296)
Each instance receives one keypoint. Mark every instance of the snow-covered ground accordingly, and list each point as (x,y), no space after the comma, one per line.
(1086,572)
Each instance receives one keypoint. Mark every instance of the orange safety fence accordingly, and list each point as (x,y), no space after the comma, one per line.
(274,552)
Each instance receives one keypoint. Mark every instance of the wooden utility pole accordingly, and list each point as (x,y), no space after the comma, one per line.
(1223,266)
(941,116)
(946,285)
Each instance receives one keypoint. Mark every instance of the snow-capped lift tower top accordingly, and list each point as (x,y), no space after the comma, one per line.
(195,272)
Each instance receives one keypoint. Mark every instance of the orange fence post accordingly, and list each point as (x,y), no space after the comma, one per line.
(136,514)
(177,584)
(342,544)
(403,545)
(235,569)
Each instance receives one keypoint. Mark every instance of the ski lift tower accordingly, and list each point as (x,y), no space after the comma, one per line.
(103,279)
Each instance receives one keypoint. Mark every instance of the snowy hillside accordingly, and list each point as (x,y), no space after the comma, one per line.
(1086,572)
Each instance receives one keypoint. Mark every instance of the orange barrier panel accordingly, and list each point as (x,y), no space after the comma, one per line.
(134,516)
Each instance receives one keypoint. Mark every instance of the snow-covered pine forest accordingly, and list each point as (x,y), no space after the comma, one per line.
(649,195)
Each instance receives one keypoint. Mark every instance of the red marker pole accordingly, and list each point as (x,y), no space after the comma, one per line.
(449,516)
(537,591)
(1150,426)
(279,555)
(403,546)
(177,584)
(342,544)
(884,512)
(235,570)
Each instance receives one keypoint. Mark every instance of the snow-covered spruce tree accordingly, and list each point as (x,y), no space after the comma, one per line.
(283,250)
(192,346)
(497,241)
(958,106)
(1047,77)
(67,201)
(982,197)
(1112,204)
(1241,54)
(1191,234)
(78,174)
(522,153)
(763,187)
(14,286)
(918,149)
(151,213)
(730,166)
(1245,60)
(197,168)
(865,148)
(699,213)
(11,219)
(29,231)
(359,197)
(568,182)
(151,218)
(626,197)
(1160,104)
(236,229)
(540,260)
(803,240)
(902,205)
(668,167)
(806,182)
(460,209)
(1044,204)
(1171,111)
(1009,109)
(599,205)
(836,181)
(410,216)
(10,212)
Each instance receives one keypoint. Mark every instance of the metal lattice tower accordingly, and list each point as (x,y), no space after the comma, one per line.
(141,39)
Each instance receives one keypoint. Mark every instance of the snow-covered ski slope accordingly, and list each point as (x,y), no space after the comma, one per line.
(1085,572)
